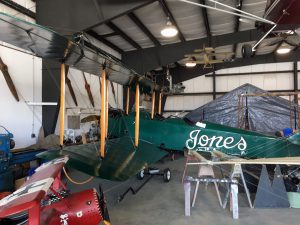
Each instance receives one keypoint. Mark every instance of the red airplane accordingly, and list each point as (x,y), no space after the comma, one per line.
(48,205)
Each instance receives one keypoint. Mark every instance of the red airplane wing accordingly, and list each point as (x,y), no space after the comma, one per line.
(32,191)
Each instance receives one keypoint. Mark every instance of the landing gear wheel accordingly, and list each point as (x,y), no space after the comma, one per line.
(167,175)
(247,51)
(141,175)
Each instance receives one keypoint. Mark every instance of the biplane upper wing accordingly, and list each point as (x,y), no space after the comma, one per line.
(33,190)
(48,44)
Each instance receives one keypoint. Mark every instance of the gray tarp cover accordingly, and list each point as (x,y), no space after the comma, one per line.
(266,114)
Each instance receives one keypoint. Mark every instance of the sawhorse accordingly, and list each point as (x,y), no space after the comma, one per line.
(233,190)
(237,172)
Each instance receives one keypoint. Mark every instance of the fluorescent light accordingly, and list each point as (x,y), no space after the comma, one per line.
(41,103)
(190,64)
(283,50)
(169,30)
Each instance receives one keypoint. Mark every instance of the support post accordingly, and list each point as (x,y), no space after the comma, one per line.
(153,105)
(214,85)
(295,72)
(187,198)
(137,115)
(234,200)
(159,103)
(62,104)
(103,113)
(127,100)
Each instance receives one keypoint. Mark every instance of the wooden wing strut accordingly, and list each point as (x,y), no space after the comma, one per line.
(62,104)
(103,113)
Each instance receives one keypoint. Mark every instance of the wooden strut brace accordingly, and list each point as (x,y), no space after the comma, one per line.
(88,90)
(10,83)
(69,84)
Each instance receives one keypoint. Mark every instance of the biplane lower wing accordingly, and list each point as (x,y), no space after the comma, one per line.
(121,160)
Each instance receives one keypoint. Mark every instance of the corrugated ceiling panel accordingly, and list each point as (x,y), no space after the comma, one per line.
(121,43)
(220,22)
(189,19)
(154,19)
(103,29)
(256,7)
(129,27)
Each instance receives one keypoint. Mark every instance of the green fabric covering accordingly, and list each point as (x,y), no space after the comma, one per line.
(121,160)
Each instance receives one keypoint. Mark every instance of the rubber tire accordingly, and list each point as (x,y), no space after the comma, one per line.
(141,175)
(247,51)
(167,175)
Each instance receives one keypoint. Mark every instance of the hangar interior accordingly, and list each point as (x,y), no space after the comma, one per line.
(111,95)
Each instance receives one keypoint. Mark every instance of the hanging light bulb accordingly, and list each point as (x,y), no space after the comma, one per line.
(191,62)
(283,50)
(170,30)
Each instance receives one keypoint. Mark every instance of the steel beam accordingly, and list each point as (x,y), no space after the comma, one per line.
(237,25)
(139,23)
(104,41)
(19,8)
(116,29)
(295,73)
(151,58)
(205,19)
(214,85)
(121,14)
(171,17)
(251,73)
(217,93)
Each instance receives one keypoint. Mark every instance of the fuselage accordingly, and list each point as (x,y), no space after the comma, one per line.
(177,134)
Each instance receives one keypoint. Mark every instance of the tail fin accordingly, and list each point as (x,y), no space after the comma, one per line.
(295,139)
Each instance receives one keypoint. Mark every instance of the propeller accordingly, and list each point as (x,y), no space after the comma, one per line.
(90,118)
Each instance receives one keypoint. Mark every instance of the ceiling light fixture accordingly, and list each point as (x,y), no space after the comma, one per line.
(190,64)
(283,50)
(170,30)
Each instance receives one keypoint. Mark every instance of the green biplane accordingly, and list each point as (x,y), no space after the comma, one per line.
(132,141)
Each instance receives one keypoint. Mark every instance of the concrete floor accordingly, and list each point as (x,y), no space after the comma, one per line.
(163,203)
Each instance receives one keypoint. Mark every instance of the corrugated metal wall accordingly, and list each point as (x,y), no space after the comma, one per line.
(269,82)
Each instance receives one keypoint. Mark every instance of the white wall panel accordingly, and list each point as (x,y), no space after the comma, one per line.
(19,118)
(221,84)
(284,66)
(232,82)
(257,80)
(198,84)
(270,82)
